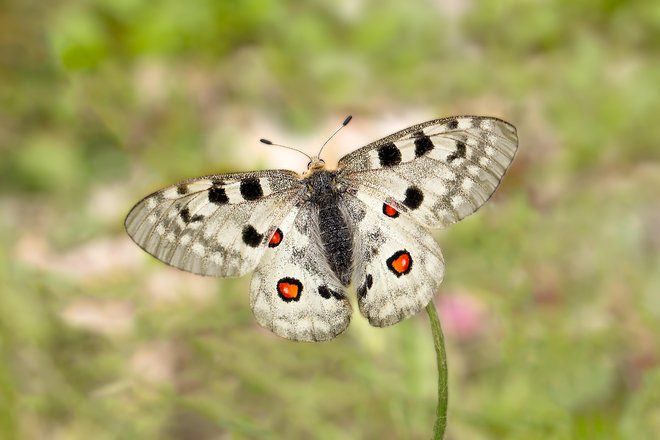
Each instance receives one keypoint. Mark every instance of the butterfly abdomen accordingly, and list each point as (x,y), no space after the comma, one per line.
(334,225)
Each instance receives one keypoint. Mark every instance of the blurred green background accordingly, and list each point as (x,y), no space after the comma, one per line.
(551,301)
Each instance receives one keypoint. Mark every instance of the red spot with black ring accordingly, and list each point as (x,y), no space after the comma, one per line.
(276,238)
(289,289)
(400,263)
(389,211)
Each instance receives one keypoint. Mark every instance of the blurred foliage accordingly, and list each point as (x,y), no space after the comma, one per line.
(105,100)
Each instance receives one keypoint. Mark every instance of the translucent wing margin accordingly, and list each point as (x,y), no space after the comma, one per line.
(437,172)
(216,225)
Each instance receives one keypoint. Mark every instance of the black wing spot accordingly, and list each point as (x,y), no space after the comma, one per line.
(414,197)
(218,196)
(327,293)
(251,237)
(389,155)
(251,189)
(362,291)
(364,287)
(459,153)
(423,145)
(182,189)
(185,215)
(187,218)
(453,124)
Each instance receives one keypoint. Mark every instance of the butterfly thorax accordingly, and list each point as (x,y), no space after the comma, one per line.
(326,195)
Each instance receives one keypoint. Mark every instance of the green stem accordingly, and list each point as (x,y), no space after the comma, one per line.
(439,343)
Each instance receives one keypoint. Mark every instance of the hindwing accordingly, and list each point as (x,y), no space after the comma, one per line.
(398,264)
(294,292)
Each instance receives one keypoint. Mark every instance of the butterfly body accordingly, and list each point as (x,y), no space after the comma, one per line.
(309,236)
(335,227)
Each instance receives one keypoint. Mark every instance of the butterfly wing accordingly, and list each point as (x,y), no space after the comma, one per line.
(216,225)
(437,172)
(399,265)
(294,293)
(426,176)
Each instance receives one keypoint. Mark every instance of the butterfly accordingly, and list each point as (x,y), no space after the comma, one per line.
(308,236)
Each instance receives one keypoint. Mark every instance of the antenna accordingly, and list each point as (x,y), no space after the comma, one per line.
(343,124)
(267,142)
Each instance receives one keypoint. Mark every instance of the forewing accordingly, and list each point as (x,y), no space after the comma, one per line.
(398,264)
(294,293)
(216,225)
(437,172)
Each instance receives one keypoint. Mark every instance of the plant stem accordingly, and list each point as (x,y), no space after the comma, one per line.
(439,343)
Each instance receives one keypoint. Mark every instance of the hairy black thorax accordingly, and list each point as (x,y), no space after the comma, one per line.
(326,196)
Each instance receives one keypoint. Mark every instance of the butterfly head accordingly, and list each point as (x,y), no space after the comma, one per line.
(315,164)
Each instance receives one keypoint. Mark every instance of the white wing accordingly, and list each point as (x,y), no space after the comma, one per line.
(437,172)
(294,293)
(216,225)
(398,265)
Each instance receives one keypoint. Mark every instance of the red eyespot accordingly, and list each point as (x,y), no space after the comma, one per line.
(289,289)
(276,239)
(389,211)
(400,263)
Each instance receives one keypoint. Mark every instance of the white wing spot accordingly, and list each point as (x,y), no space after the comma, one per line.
(194,225)
(151,203)
(448,175)
(442,213)
(184,240)
(489,150)
(464,123)
(171,194)
(474,170)
(441,188)
(484,162)
(467,184)
(198,248)
(160,229)
(486,124)
(457,201)
(152,218)
(170,237)
(210,230)
(216,258)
